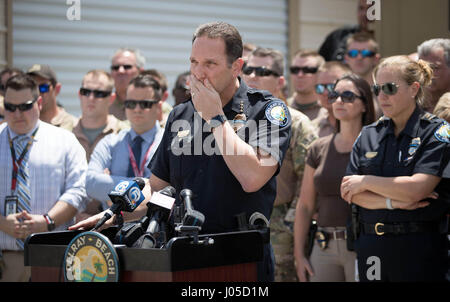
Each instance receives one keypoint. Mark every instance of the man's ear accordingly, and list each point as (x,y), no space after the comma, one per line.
(57,88)
(237,66)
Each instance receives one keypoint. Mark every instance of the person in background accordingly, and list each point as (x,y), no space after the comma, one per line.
(326,162)
(181,91)
(442,109)
(5,74)
(162,80)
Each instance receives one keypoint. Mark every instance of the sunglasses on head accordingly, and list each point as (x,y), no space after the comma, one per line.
(97,93)
(125,66)
(346,96)
(320,88)
(306,69)
(22,107)
(144,104)
(387,88)
(43,88)
(365,53)
(259,71)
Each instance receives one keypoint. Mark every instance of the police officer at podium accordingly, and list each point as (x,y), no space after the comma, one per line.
(227,142)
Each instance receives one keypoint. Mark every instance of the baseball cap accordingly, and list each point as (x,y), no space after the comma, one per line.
(44,71)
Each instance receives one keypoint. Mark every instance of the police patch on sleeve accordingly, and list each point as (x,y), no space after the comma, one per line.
(443,133)
(278,113)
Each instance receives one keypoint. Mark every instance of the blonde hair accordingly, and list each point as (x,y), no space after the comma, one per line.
(442,109)
(410,71)
(96,74)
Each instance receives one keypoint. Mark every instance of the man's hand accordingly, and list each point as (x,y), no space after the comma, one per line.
(205,98)
(90,222)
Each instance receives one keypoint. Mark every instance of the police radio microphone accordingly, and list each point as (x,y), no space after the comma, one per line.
(191,216)
(160,207)
(126,196)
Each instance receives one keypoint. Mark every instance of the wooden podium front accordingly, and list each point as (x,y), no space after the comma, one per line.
(226,257)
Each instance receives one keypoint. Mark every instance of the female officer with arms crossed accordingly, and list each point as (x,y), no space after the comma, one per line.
(398,176)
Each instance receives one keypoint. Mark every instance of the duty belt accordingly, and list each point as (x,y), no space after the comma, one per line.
(400,228)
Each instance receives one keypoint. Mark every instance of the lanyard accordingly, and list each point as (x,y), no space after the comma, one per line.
(17,163)
(139,171)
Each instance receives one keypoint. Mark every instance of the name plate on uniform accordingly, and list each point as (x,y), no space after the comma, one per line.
(91,257)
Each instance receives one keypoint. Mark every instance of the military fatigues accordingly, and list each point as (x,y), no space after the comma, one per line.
(288,187)
(188,158)
(410,245)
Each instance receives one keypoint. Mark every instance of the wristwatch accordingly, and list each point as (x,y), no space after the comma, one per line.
(217,121)
(50,222)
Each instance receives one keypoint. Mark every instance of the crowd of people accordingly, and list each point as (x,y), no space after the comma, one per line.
(361,167)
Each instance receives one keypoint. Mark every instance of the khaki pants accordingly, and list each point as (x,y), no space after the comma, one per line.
(334,264)
(14,269)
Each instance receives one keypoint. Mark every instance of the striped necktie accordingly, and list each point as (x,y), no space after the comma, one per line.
(23,183)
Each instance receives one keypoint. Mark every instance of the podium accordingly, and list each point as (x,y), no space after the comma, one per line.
(217,257)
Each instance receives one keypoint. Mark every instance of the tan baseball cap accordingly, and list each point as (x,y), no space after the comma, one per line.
(44,71)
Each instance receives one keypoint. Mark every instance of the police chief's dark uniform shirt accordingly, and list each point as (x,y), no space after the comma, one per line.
(187,157)
(422,147)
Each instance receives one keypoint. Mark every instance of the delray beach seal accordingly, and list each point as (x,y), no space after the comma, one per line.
(91,257)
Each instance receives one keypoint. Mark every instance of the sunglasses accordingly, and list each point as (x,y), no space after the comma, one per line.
(259,71)
(117,67)
(43,88)
(346,96)
(144,104)
(306,69)
(22,107)
(365,53)
(320,88)
(387,88)
(97,93)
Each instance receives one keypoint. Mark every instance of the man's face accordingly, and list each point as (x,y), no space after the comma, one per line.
(142,120)
(304,82)
(209,61)
(441,72)
(21,122)
(325,78)
(49,97)
(123,69)
(92,106)
(363,63)
(271,83)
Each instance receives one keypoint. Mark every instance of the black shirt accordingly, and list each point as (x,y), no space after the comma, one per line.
(187,157)
(422,147)
(335,44)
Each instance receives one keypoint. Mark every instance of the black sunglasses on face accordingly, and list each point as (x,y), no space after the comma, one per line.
(306,69)
(320,88)
(346,96)
(260,71)
(117,67)
(387,88)
(144,104)
(22,107)
(97,93)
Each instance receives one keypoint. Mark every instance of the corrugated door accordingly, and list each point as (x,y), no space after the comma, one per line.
(162,30)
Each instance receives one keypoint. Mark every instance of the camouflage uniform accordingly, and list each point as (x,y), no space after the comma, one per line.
(288,187)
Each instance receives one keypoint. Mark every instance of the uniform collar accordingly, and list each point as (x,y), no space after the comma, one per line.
(148,136)
(13,135)
(238,97)
(411,128)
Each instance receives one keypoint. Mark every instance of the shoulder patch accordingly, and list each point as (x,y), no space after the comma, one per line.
(443,133)
(278,113)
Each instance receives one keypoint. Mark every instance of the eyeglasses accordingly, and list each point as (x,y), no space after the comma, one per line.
(320,88)
(125,66)
(97,93)
(387,88)
(346,96)
(22,107)
(43,88)
(144,104)
(306,69)
(365,53)
(260,71)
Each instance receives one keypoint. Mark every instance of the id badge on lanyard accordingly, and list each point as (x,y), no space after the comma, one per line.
(139,171)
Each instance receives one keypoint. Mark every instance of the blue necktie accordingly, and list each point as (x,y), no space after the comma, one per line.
(136,148)
(23,183)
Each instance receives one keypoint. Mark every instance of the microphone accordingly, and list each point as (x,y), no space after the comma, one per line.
(126,196)
(191,216)
(160,204)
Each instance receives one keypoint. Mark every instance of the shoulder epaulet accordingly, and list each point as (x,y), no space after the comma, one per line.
(380,121)
(429,117)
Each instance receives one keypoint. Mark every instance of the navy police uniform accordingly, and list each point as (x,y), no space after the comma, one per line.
(188,158)
(410,244)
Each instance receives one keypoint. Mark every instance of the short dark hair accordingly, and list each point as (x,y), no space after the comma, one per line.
(158,76)
(21,82)
(228,33)
(366,96)
(277,57)
(146,80)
